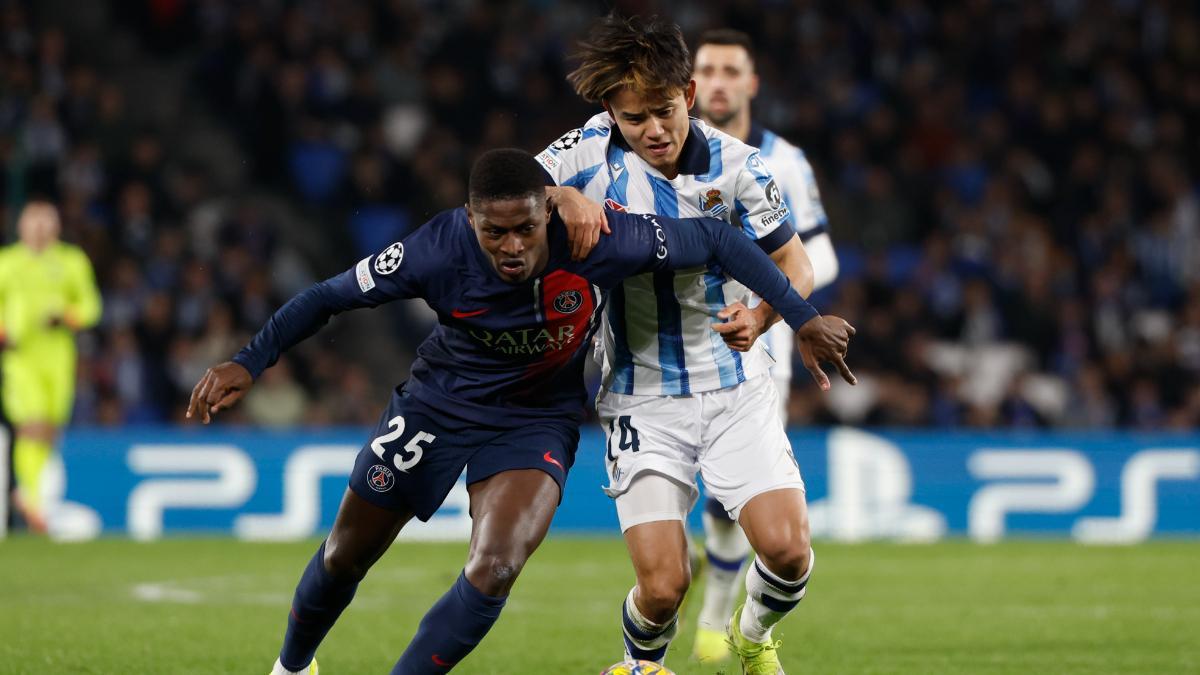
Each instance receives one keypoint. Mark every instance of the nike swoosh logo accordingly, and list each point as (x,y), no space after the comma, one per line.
(439,662)
(459,314)
(553,461)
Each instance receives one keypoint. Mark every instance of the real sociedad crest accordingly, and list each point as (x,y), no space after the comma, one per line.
(712,203)
(568,301)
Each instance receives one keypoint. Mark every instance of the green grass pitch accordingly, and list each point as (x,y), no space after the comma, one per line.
(219,606)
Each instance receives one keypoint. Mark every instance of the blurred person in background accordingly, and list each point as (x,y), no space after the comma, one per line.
(726,82)
(47,294)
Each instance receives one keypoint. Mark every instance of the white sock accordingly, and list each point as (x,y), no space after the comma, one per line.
(726,548)
(645,639)
(769,599)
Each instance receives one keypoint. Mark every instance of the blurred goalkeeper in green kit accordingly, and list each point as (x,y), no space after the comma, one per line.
(47,293)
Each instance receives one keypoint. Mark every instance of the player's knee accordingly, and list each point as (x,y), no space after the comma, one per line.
(340,563)
(788,558)
(660,594)
(494,573)
(42,432)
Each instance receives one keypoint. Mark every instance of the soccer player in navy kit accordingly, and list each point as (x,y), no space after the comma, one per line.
(497,387)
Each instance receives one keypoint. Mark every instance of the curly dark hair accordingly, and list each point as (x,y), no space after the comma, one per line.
(505,173)
(646,55)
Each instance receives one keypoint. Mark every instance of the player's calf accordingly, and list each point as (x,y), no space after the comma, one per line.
(645,639)
(512,511)
(770,597)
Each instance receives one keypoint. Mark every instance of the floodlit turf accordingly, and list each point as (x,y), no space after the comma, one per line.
(217,606)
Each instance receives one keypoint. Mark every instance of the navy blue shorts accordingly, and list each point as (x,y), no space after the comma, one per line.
(416,455)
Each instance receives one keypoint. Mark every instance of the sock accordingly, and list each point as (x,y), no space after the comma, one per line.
(318,602)
(769,599)
(450,630)
(30,458)
(726,547)
(645,639)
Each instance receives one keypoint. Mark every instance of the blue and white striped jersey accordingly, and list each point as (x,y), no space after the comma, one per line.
(794,174)
(658,338)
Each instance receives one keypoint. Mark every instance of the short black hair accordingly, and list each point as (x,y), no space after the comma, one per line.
(727,36)
(647,55)
(505,173)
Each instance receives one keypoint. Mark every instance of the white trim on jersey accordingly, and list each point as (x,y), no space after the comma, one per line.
(657,334)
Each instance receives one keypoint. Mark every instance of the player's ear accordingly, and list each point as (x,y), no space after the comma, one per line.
(689,94)
(753,85)
(608,109)
(470,216)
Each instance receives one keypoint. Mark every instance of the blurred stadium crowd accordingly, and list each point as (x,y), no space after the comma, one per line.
(1012,187)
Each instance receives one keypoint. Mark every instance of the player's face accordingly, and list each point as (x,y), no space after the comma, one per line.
(725,82)
(512,232)
(38,226)
(654,127)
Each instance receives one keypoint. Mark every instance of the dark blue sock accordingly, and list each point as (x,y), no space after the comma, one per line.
(450,630)
(318,602)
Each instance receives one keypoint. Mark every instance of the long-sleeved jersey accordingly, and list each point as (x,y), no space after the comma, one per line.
(40,290)
(504,354)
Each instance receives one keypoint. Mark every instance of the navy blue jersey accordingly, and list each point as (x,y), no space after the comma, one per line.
(506,354)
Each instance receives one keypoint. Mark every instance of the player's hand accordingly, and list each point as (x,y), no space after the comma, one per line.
(825,339)
(221,387)
(66,320)
(741,327)
(584,218)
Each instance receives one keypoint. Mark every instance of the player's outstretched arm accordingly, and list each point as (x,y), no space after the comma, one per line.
(696,241)
(584,218)
(221,387)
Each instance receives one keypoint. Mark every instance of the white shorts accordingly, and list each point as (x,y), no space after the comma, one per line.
(732,436)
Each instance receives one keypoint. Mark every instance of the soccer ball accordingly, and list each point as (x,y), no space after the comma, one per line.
(633,667)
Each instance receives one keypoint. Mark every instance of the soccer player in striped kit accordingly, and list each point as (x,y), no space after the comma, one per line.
(677,397)
(725,84)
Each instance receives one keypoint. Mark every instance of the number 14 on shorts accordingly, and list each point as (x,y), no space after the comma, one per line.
(629,436)
(407,457)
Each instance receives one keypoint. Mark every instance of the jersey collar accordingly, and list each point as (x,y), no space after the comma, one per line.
(694,157)
(755,139)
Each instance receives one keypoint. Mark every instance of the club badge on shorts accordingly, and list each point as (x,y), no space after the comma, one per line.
(380,478)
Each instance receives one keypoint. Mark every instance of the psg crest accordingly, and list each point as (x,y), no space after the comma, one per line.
(388,261)
(380,478)
(568,301)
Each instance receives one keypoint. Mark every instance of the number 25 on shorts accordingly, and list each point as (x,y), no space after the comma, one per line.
(406,458)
